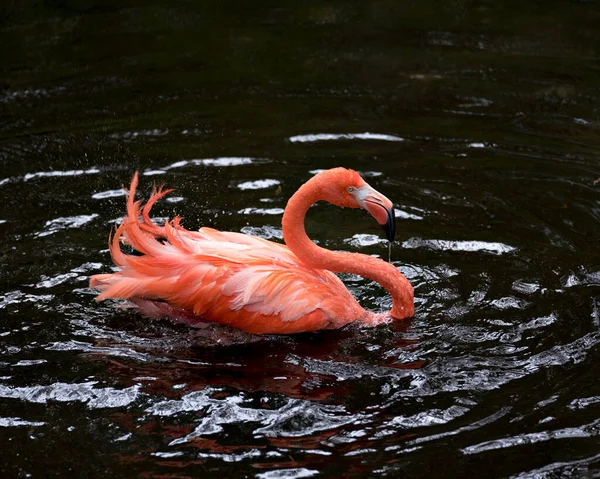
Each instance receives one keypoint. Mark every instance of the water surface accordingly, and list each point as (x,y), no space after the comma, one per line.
(480,121)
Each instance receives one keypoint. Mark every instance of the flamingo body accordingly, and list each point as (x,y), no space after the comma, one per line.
(228,278)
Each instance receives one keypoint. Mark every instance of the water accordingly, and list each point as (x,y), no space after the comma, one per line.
(480,121)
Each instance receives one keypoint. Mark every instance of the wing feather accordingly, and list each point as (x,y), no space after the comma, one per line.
(229,278)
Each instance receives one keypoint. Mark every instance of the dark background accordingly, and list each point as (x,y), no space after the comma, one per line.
(496,104)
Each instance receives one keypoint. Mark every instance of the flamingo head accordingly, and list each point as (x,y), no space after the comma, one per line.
(347,189)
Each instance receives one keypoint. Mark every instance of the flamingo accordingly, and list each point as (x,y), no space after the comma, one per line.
(249,283)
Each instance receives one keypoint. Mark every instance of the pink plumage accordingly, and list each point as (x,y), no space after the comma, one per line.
(243,281)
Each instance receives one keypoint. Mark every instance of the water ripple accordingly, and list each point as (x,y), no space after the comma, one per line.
(295,418)
(587,430)
(266,232)
(291,473)
(258,184)
(113,350)
(109,194)
(261,211)
(576,468)
(68,222)
(343,136)
(54,173)
(18,422)
(19,297)
(81,392)
(466,246)
(217,162)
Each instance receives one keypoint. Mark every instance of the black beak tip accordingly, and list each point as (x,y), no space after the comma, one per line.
(390,225)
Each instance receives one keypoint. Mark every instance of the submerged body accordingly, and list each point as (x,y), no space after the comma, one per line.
(247,282)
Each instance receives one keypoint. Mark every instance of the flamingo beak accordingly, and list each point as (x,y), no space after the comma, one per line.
(390,225)
(380,208)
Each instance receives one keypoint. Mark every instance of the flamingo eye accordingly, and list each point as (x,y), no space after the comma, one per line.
(351,189)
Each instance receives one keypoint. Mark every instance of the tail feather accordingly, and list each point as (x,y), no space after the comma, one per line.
(141,276)
(148,224)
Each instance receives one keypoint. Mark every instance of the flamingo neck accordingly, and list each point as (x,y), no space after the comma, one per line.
(295,237)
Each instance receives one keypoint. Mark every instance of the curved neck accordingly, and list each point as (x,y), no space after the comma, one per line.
(295,237)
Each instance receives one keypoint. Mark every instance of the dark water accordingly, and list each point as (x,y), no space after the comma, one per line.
(479,120)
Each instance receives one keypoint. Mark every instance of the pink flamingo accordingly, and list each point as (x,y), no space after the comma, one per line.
(247,282)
